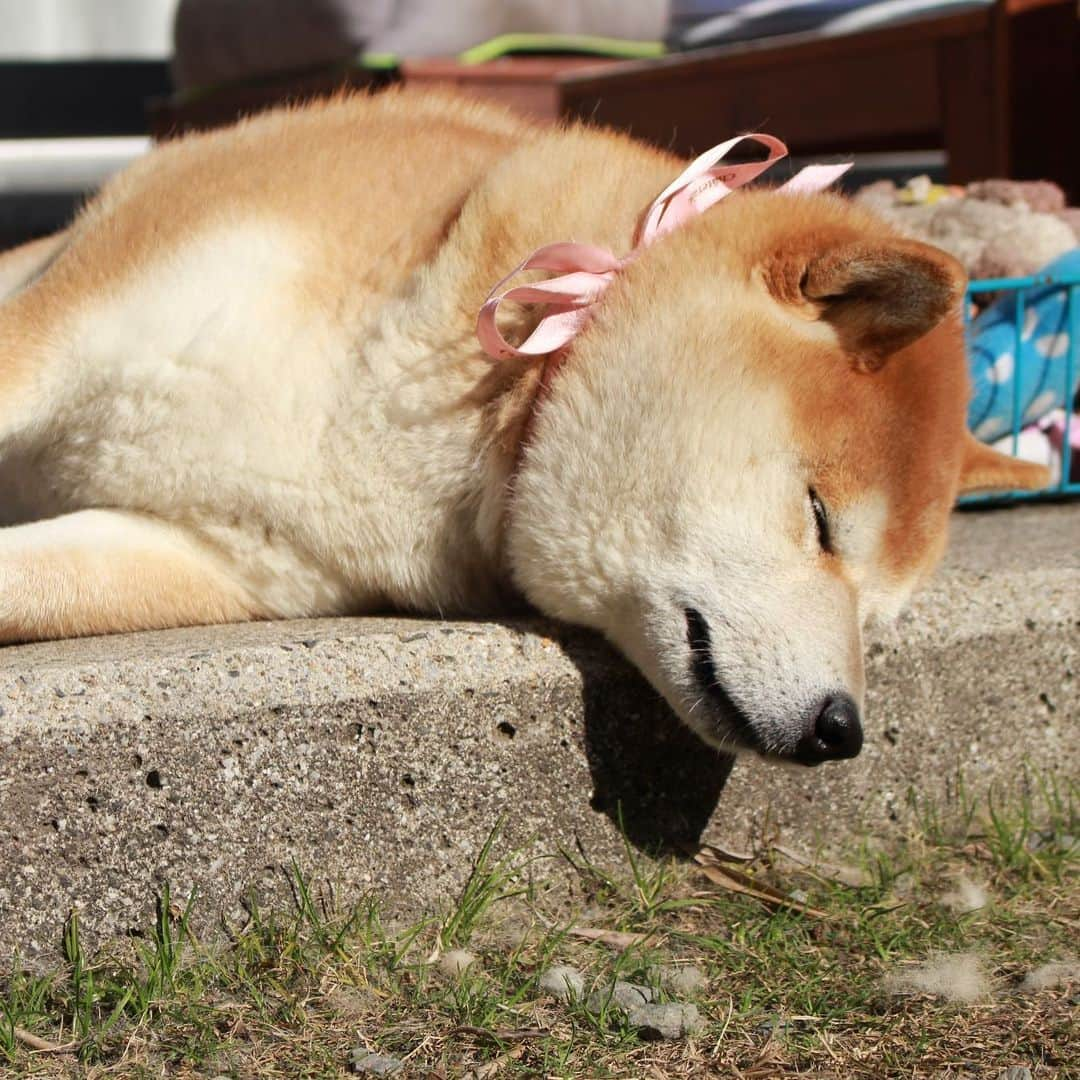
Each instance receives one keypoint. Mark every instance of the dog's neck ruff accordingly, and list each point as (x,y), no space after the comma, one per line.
(586,271)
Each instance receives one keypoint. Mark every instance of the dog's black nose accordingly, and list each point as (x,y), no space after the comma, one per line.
(836,733)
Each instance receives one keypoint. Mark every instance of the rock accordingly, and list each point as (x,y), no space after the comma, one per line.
(368,1064)
(643,1012)
(623,996)
(629,995)
(563,982)
(350,698)
(1015,1072)
(455,963)
(670,1021)
(682,980)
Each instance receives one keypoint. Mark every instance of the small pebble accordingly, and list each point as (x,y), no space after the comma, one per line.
(563,982)
(682,980)
(369,1064)
(1015,1072)
(671,1021)
(642,1011)
(622,995)
(455,962)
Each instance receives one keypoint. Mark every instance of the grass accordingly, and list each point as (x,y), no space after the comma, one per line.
(786,992)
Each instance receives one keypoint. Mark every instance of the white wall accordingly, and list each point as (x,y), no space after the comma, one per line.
(86,29)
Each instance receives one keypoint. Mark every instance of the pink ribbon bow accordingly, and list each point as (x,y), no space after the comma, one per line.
(586,270)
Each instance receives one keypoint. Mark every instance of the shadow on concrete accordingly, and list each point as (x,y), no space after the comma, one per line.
(650,773)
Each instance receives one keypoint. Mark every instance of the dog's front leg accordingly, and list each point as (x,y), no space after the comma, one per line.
(109,571)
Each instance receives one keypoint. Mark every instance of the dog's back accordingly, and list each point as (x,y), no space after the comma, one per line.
(193,349)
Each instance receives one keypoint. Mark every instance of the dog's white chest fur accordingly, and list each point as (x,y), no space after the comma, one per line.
(212,388)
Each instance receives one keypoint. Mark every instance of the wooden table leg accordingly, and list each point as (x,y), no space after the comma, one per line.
(973,75)
(1044,94)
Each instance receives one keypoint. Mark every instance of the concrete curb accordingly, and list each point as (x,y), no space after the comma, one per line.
(379,753)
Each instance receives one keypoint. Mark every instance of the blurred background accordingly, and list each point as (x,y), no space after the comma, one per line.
(75,77)
(961,116)
(957,90)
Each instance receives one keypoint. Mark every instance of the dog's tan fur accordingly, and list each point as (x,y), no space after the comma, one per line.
(244,384)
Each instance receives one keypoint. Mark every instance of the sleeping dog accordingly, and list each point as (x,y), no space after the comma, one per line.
(246,383)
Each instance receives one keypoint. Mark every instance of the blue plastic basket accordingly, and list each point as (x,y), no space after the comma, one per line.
(1021,288)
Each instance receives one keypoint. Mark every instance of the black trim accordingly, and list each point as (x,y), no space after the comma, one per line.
(53,99)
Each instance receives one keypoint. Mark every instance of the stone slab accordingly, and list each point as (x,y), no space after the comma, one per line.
(377,754)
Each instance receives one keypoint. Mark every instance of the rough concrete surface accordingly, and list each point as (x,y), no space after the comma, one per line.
(379,753)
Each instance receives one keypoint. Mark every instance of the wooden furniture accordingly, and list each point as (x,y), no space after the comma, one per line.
(535,85)
(998,88)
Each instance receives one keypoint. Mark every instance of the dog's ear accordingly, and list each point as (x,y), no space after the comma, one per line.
(877,296)
(985,470)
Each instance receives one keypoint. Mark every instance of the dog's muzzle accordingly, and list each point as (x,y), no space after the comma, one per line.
(833,733)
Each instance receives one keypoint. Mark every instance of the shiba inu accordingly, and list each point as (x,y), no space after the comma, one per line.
(246,384)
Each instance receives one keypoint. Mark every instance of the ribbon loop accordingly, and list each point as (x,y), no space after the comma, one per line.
(814,178)
(591,270)
(585,271)
(704,183)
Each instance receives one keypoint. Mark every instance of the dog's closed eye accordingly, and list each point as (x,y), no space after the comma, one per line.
(821,519)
